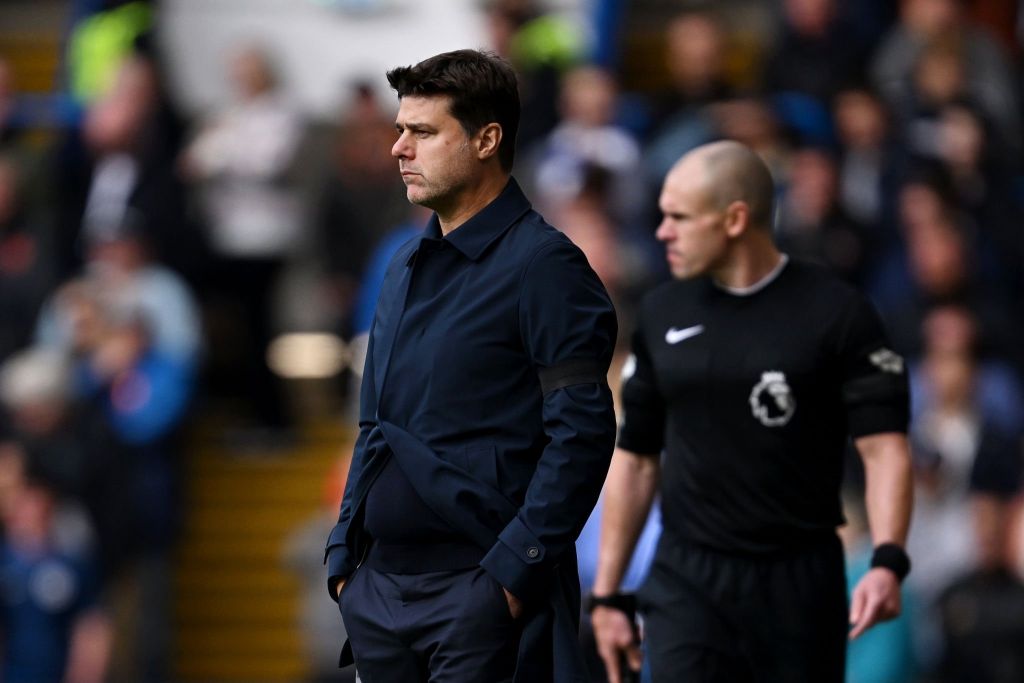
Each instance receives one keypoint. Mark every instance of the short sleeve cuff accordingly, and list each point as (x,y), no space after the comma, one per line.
(640,441)
(866,420)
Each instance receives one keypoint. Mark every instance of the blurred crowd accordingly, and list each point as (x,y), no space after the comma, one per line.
(145,262)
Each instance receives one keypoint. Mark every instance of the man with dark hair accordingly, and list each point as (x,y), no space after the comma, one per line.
(486,422)
(748,375)
(479,91)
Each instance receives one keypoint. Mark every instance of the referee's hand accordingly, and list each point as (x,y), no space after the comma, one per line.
(615,637)
(876,598)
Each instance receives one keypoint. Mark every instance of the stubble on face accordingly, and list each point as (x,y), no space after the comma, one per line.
(437,163)
(437,187)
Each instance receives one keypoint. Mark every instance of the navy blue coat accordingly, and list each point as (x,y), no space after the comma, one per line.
(485,379)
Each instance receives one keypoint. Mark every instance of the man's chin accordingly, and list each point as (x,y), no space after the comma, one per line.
(419,198)
(683,273)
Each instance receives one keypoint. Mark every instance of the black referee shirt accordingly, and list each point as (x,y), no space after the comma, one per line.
(752,397)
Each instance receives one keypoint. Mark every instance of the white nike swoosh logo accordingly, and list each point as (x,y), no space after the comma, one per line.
(674,335)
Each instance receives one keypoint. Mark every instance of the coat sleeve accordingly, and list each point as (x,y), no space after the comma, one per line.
(568,329)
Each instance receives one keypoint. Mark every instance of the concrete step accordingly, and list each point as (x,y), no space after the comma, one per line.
(236,602)
(240,638)
(252,668)
(237,607)
(265,524)
(253,490)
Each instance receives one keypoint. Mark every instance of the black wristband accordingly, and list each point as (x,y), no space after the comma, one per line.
(624,602)
(892,557)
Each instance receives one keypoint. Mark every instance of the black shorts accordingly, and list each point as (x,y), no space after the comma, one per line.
(717,617)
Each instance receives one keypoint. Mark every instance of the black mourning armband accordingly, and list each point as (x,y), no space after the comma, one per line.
(578,371)
(877,403)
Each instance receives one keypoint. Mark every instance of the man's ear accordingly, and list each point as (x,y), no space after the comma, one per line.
(488,141)
(737,219)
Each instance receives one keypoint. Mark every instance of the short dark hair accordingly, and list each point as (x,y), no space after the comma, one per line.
(481,88)
(737,173)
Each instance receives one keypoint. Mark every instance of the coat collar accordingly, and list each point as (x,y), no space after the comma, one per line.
(474,236)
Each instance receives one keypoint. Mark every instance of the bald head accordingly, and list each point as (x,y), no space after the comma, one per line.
(731,172)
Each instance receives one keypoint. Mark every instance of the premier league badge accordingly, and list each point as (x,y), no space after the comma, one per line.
(772,400)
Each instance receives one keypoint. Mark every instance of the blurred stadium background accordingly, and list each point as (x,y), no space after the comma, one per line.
(197,201)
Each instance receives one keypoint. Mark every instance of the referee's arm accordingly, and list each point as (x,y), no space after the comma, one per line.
(888,498)
(628,495)
(877,397)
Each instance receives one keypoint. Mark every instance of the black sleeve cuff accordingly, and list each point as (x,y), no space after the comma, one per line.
(877,418)
(640,443)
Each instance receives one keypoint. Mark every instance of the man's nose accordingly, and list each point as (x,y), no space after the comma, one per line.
(401,148)
(664,232)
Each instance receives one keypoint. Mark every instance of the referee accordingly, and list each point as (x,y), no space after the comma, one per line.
(749,372)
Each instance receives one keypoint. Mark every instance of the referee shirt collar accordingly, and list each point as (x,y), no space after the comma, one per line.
(474,236)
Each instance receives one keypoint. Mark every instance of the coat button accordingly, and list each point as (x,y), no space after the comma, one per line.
(532,552)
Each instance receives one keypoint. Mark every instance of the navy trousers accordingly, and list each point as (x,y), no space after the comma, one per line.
(435,627)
